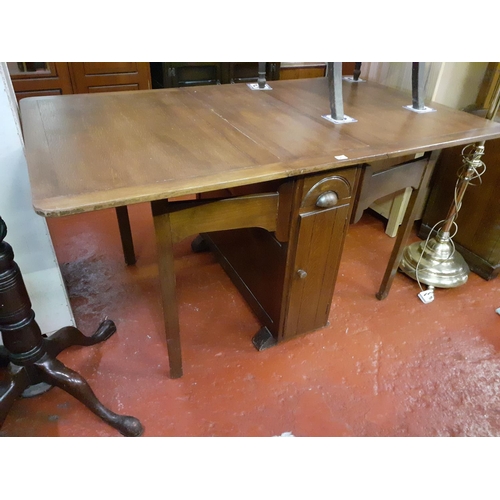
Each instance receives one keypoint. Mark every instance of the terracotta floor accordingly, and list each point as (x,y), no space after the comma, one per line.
(391,368)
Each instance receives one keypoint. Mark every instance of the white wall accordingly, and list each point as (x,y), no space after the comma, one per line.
(458,83)
(398,75)
(454,84)
(27,232)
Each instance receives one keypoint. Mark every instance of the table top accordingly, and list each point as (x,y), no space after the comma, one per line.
(91,151)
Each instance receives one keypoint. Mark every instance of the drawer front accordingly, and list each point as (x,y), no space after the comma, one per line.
(324,192)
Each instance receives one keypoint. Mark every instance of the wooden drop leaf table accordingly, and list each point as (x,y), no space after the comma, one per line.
(276,183)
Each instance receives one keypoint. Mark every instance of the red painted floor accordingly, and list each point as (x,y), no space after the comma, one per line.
(391,368)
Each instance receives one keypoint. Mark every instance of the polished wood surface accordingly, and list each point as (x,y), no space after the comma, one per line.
(87,152)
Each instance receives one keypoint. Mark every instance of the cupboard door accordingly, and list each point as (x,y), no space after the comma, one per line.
(37,79)
(319,247)
(90,77)
(323,221)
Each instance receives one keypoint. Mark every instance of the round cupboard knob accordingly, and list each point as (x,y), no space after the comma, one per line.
(302,274)
(327,199)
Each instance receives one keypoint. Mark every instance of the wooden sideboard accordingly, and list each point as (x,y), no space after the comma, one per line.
(56,78)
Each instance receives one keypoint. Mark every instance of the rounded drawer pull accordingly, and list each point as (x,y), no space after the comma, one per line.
(327,200)
(302,274)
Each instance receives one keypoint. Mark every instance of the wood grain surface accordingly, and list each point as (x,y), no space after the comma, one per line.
(93,151)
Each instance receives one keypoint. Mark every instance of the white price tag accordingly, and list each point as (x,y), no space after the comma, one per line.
(426,296)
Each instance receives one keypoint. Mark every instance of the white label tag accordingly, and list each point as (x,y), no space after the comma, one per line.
(341,157)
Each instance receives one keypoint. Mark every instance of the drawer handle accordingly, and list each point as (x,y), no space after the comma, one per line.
(327,200)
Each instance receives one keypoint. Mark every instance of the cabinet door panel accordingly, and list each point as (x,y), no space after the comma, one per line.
(113,88)
(108,77)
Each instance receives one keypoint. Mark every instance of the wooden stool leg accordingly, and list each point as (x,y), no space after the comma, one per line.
(405,228)
(168,296)
(126,235)
(53,372)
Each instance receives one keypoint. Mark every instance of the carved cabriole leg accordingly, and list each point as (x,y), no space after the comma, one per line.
(405,228)
(69,336)
(32,368)
(53,372)
(167,284)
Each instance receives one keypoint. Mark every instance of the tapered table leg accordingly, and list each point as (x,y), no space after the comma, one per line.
(168,294)
(405,228)
(126,235)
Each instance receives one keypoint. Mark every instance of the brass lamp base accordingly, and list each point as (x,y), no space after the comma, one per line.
(436,263)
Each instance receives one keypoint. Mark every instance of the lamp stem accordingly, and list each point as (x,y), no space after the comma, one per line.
(472,163)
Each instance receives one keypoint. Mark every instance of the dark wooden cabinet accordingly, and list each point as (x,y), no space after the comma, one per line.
(36,79)
(478,236)
(185,74)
